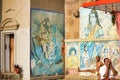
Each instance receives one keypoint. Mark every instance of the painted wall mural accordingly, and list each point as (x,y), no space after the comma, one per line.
(47,33)
(72,58)
(96,24)
(106,49)
(72,55)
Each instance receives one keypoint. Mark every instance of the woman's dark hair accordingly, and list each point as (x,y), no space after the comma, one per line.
(105,59)
(96,15)
(98,56)
(72,49)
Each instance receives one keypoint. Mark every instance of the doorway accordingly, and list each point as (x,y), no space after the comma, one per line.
(8,52)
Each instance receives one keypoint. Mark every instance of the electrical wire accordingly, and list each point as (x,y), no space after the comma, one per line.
(21,8)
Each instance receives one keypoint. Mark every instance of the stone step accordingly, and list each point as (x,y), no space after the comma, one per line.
(11,76)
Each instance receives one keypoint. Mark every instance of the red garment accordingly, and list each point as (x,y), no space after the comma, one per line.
(117,14)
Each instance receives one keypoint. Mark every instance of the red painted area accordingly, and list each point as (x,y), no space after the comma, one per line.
(99,2)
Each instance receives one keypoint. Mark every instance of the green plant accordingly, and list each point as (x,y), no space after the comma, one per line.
(18,69)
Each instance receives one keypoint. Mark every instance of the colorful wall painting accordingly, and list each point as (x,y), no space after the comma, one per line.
(96,24)
(72,56)
(106,49)
(47,34)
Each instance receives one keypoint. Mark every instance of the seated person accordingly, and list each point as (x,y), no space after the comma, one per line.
(107,71)
(98,65)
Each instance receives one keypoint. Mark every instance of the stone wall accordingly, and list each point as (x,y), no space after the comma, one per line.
(71,21)
(0,10)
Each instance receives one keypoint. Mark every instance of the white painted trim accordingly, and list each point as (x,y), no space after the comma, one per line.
(2,46)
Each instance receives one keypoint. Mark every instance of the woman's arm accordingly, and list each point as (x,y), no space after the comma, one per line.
(87,70)
(113,70)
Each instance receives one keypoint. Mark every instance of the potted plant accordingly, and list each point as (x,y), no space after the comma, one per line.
(18,69)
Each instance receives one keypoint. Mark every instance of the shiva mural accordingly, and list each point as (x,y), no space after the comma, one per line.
(88,51)
(47,34)
(96,24)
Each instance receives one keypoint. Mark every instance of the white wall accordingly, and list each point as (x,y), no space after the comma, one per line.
(23,51)
(21,12)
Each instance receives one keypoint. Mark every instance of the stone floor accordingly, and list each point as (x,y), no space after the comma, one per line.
(72,77)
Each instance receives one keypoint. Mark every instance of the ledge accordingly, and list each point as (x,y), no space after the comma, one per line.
(11,76)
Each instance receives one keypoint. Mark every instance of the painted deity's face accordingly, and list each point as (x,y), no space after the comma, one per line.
(93,19)
(85,48)
(73,52)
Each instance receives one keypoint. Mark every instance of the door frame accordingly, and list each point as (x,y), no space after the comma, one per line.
(3,33)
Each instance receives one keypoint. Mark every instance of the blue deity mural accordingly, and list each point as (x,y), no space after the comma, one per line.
(47,33)
(88,52)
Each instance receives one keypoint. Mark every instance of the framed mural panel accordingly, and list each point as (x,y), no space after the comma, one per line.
(98,36)
(105,49)
(72,57)
(47,34)
(95,24)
